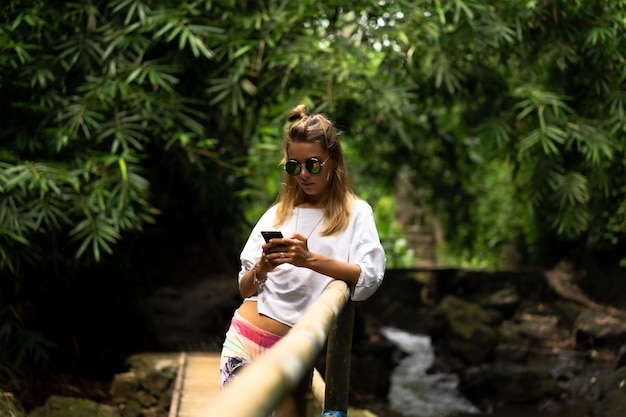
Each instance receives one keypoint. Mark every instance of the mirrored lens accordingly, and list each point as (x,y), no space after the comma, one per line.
(314,165)
(292,167)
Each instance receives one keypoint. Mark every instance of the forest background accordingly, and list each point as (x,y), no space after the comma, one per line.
(125,124)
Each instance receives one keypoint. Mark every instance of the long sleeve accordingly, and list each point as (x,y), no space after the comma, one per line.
(367,251)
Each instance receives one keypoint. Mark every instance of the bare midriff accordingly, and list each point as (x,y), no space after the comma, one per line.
(248,311)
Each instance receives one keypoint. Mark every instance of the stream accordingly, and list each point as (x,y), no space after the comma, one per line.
(413,392)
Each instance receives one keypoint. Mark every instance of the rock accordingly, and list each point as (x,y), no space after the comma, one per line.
(613,405)
(600,328)
(621,357)
(563,280)
(146,399)
(616,381)
(124,385)
(469,336)
(155,371)
(491,328)
(131,408)
(474,285)
(538,331)
(505,300)
(509,383)
(146,389)
(58,406)
(9,406)
(512,352)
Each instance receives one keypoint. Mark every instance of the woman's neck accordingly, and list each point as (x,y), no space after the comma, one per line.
(312,203)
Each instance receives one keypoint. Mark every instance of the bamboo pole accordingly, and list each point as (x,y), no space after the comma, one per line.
(260,386)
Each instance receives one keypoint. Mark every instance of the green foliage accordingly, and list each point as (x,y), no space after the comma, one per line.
(535,89)
(508,118)
(397,249)
(86,135)
(32,345)
(101,111)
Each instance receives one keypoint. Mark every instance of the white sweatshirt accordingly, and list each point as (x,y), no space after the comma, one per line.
(289,289)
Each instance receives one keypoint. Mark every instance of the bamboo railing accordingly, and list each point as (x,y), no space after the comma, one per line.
(260,386)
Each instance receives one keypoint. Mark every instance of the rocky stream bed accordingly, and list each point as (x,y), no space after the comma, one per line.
(528,340)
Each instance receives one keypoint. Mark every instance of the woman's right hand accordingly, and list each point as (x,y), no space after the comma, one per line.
(272,252)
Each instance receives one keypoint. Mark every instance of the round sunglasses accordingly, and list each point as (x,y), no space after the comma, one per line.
(313,165)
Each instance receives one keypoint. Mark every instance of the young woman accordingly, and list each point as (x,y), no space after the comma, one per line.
(328,233)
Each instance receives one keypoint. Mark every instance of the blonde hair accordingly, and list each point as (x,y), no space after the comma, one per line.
(317,128)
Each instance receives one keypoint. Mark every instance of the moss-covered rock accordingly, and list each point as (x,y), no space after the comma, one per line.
(510,384)
(470,337)
(612,405)
(604,328)
(58,406)
(616,381)
(155,371)
(146,389)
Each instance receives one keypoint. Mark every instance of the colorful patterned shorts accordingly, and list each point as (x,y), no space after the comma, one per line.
(244,343)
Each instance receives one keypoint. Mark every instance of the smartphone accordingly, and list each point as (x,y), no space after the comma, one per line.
(274,234)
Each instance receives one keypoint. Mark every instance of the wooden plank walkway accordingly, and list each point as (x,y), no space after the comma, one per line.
(197,383)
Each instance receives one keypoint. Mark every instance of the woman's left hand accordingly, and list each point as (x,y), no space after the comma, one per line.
(295,251)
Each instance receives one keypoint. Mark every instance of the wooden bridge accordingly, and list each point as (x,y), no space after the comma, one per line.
(197,383)
(260,386)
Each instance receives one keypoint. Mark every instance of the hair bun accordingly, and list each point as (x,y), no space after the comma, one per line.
(297,113)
